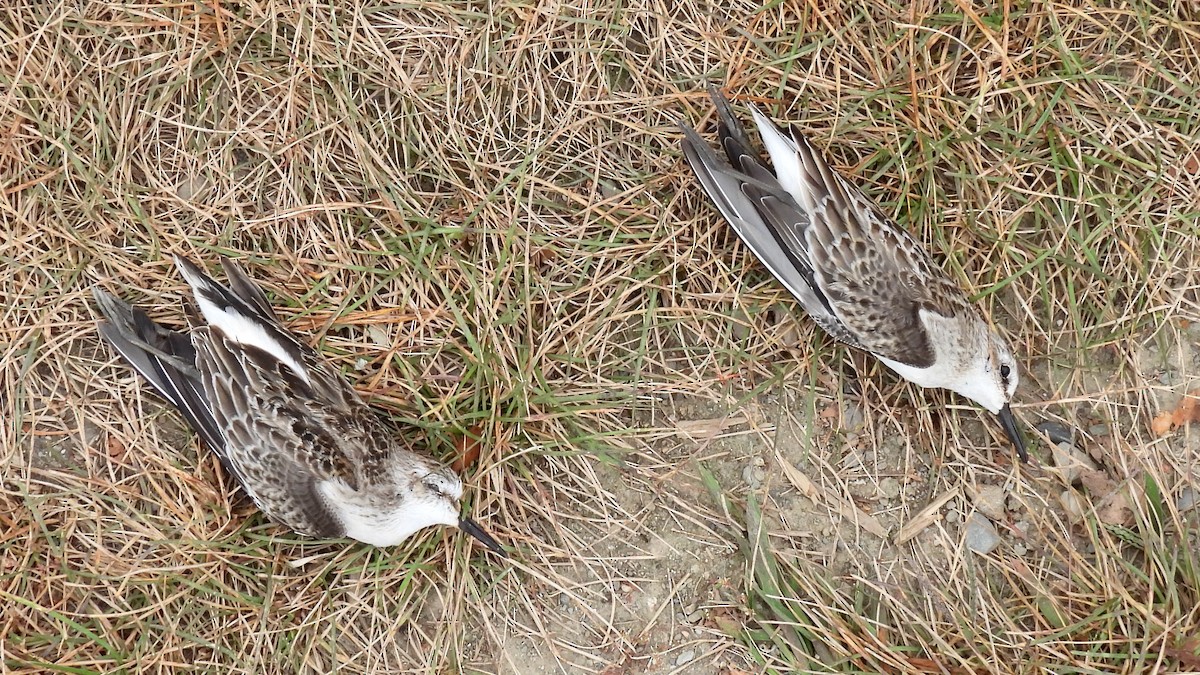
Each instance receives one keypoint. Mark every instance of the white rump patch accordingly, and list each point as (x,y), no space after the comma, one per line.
(248,332)
(784,157)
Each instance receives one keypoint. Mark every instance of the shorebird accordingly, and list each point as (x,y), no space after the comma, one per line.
(298,439)
(861,277)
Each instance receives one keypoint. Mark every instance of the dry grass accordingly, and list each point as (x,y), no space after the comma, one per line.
(479,212)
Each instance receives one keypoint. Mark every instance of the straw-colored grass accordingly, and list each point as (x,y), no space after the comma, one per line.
(479,212)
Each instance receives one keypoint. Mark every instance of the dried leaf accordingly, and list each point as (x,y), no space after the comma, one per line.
(1192,164)
(468,446)
(1115,509)
(115,448)
(1097,484)
(1161,425)
(702,429)
(1187,411)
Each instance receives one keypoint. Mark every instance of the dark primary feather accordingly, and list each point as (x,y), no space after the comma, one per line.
(861,277)
(246,290)
(731,132)
(765,217)
(166,359)
(782,218)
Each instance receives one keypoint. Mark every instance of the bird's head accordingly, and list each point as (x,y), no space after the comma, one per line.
(990,378)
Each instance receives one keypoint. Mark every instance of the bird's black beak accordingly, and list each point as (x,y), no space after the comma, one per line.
(1009,424)
(472,528)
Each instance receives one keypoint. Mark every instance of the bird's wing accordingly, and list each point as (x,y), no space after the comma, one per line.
(877,278)
(764,216)
(291,421)
(283,441)
(167,360)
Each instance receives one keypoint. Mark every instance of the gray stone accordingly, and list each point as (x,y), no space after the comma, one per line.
(852,417)
(740,324)
(889,488)
(1071,462)
(862,489)
(1057,432)
(754,474)
(981,536)
(1188,499)
(989,499)
(190,187)
(686,656)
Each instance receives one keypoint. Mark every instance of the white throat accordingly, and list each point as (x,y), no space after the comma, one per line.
(962,366)
(367,522)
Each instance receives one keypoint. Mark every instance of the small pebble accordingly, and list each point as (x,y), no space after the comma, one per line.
(1071,462)
(685,656)
(191,187)
(740,325)
(989,499)
(789,329)
(861,489)
(852,417)
(1072,505)
(1019,549)
(889,488)
(1187,499)
(754,475)
(981,536)
(1057,432)
(1098,430)
(379,336)
(952,517)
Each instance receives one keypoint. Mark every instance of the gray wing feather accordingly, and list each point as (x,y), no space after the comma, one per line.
(876,276)
(766,218)
(166,359)
(246,290)
(281,449)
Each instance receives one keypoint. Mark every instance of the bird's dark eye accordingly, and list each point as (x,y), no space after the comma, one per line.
(1005,372)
